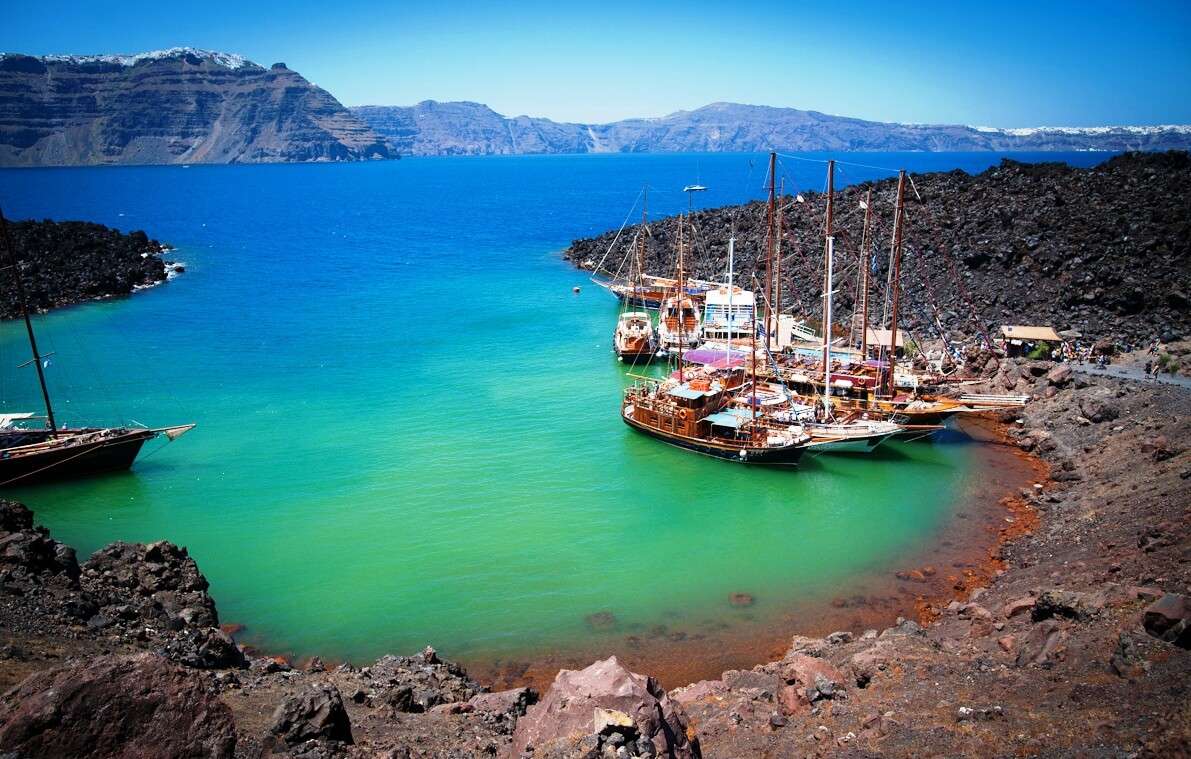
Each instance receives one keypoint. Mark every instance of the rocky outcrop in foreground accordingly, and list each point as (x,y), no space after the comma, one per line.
(68,262)
(1105,251)
(172,106)
(127,706)
(466,128)
(1076,645)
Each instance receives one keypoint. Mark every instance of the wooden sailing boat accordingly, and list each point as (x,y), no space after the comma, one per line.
(678,317)
(693,412)
(31,456)
(633,339)
(845,380)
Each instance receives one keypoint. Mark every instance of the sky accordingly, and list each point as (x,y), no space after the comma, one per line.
(1005,64)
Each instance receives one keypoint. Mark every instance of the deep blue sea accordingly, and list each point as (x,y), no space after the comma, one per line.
(408,424)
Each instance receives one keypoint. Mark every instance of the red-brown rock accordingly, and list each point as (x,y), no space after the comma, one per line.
(567,711)
(116,706)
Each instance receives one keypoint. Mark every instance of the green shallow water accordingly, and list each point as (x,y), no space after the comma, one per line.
(408,424)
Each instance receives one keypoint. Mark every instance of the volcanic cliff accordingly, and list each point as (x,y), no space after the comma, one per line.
(1105,251)
(175,106)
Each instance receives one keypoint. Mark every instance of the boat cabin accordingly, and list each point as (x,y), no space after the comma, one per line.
(728,314)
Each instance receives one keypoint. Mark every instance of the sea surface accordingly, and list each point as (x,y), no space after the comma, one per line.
(408,428)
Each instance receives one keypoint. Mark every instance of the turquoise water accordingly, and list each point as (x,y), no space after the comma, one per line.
(407,422)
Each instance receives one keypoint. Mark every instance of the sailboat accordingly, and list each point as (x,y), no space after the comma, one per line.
(634,339)
(692,410)
(678,317)
(32,455)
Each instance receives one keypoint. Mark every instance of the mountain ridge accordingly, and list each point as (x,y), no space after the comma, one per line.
(433,127)
(181,105)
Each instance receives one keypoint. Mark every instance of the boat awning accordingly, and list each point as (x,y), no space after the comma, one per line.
(685,391)
(1023,332)
(716,359)
(727,419)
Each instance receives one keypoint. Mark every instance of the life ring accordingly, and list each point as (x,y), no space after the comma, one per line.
(682,414)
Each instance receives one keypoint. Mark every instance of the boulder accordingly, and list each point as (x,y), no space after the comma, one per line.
(511,702)
(1041,645)
(1169,619)
(209,648)
(1126,661)
(1067,603)
(1018,606)
(316,713)
(125,706)
(1060,375)
(868,663)
(570,713)
(1099,405)
(817,677)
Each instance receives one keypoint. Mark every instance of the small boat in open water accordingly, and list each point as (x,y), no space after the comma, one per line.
(31,455)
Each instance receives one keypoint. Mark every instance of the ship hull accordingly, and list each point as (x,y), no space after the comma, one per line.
(70,461)
(786,456)
(850,445)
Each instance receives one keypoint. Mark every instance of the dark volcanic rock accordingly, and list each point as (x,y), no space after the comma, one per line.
(1017,244)
(28,550)
(156,584)
(419,683)
(1169,619)
(316,713)
(126,706)
(66,262)
(175,106)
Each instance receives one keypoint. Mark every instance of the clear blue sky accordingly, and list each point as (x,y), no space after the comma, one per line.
(989,63)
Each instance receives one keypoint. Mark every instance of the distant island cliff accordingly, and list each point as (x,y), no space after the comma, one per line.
(465,128)
(186,105)
(181,105)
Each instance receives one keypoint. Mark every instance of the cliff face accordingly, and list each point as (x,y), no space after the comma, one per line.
(175,106)
(464,128)
(431,128)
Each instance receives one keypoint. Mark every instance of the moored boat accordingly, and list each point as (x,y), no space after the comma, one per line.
(37,455)
(634,340)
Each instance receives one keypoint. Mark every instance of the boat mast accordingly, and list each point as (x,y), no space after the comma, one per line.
(681,310)
(731,320)
(827,331)
(769,250)
(864,262)
(753,405)
(898,218)
(641,246)
(16,273)
(827,232)
(777,263)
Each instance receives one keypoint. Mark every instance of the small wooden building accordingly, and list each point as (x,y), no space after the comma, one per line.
(1020,339)
(878,340)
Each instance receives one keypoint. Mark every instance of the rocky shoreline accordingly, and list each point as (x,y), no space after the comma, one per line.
(70,262)
(1105,251)
(1074,641)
